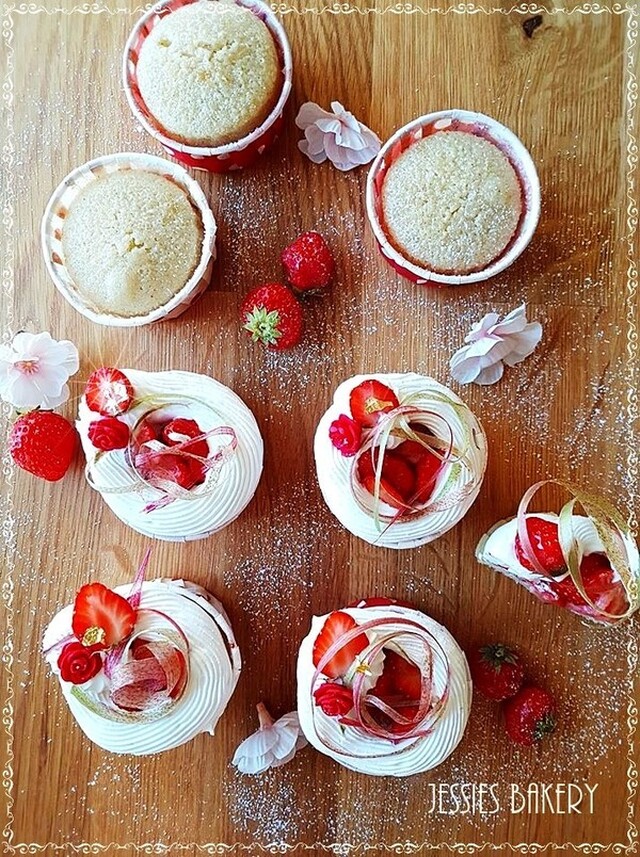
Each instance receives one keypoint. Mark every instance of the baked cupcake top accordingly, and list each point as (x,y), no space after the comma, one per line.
(209,72)
(451,202)
(130,241)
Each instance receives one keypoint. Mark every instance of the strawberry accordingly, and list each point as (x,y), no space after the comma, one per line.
(369,400)
(426,466)
(179,430)
(599,584)
(400,680)
(43,443)
(101,616)
(530,715)
(496,671)
(338,624)
(185,472)
(145,432)
(308,262)
(389,494)
(109,392)
(273,316)
(543,536)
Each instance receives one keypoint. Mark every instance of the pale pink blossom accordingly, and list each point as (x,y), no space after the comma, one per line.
(34,370)
(275,743)
(494,344)
(337,136)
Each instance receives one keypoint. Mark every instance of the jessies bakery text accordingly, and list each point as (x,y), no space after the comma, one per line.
(514,798)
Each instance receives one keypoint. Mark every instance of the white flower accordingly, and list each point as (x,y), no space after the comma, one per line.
(274,744)
(34,370)
(337,136)
(493,344)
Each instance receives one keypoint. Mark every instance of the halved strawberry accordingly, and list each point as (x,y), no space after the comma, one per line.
(184,471)
(145,432)
(597,578)
(101,616)
(543,536)
(337,625)
(400,680)
(369,400)
(427,471)
(109,392)
(388,493)
(179,430)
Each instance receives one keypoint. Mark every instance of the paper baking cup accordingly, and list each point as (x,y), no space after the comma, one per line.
(483,126)
(58,207)
(217,159)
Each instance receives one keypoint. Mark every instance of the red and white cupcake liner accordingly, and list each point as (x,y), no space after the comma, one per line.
(481,125)
(57,210)
(217,159)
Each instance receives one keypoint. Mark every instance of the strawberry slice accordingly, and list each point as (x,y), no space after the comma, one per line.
(337,625)
(109,392)
(184,471)
(543,536)
(180,430)
(145,432)
(427,471)
(369,400)
(400,681)
(101,616)
(388,493)
(599,584)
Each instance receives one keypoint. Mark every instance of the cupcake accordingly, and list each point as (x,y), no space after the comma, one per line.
(209,79)
(451,202)
(176,456)
(588,564)
(144,669)
(209,72)
(382,688)
(453,197)
(129,239)
(399,458)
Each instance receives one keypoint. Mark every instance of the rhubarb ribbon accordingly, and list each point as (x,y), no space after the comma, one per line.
(611,529)
(431,704)
(398,423)
(139,457)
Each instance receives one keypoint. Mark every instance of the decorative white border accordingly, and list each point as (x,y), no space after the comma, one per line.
(632,11)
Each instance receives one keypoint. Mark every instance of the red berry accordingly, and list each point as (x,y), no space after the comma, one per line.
(168,467)
(388,493)
(43,443)
(530,715)
(109,392)
(273,316)
(598,580)
(543,536)
(145,432)
(108,433)
(334,699)
(496,671)
(180,430)
(369,400)
(426,465)
(78,663)
(336,626)
(308,262)
(101,616)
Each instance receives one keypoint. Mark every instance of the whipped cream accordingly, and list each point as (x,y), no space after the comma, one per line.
(334,469)
(498,549)
(214,669)
(206,511)
(369,754)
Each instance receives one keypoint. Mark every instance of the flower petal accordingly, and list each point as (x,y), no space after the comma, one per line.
(491,374)
(309,113)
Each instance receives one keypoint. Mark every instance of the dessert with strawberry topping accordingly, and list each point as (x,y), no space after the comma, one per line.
(176,456)
(382,688)
(400,458)
(589,564)
(145,667)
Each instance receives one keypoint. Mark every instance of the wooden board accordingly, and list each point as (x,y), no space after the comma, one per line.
(568,91)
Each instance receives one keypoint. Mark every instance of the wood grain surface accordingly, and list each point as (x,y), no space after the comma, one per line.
(565,84)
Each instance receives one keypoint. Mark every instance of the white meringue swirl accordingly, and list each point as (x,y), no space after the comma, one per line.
(334,469)
(375,756)
(213,405)
(214,669)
